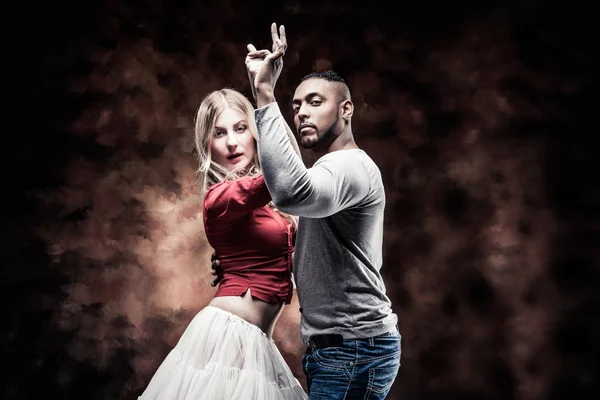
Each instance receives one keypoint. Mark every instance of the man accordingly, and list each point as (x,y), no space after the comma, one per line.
(346,317)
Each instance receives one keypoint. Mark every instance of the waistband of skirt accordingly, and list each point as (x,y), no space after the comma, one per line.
(237,319)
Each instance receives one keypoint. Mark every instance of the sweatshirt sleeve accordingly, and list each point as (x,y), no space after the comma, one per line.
(335,182)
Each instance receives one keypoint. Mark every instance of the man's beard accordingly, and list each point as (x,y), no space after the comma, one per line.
(316,141)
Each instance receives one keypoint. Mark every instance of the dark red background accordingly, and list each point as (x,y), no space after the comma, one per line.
(479,115)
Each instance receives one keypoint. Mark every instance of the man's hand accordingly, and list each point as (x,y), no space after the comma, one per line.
(216,269)
(264,66)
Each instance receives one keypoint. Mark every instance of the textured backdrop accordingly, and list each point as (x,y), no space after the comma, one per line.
(477,116)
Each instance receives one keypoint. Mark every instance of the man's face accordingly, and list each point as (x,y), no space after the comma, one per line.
(316,107)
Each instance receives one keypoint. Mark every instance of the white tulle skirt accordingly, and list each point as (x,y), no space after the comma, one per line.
(222,357)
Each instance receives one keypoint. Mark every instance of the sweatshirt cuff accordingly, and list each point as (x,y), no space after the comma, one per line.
(267,112)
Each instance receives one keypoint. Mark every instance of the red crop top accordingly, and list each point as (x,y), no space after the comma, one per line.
(254,243)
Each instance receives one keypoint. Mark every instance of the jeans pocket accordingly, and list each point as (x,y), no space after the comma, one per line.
(381,378)
(334,357)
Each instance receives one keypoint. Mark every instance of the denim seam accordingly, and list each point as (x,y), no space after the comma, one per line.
(352,370)
(371,388)
(337,367)
(369,384)
(349,382)
(368,360)
(305,365)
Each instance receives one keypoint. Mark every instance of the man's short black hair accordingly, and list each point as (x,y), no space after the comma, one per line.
(331,76)
(328,75)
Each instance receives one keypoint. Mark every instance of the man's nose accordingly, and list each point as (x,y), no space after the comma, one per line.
(303,112)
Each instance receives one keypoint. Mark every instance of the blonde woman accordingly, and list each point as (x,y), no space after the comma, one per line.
(227,352)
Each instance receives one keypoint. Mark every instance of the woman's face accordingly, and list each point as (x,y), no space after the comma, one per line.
(231,142)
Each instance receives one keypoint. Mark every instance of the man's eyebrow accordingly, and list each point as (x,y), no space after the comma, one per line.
(308,96)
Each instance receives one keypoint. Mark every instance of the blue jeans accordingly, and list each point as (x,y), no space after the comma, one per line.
(358,369)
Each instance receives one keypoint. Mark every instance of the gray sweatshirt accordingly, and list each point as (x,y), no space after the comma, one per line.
(338,255)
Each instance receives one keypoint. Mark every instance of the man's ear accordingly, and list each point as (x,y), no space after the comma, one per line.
(347,110)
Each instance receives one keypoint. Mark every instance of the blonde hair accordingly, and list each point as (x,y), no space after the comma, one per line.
(211,107)
(211,172)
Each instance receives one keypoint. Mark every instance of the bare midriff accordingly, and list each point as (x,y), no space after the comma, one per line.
(255,311)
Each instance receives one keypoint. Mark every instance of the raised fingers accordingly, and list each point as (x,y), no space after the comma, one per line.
(283,37)
(274,35)
(279,39)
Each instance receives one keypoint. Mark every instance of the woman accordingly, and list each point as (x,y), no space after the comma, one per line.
(227,351)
